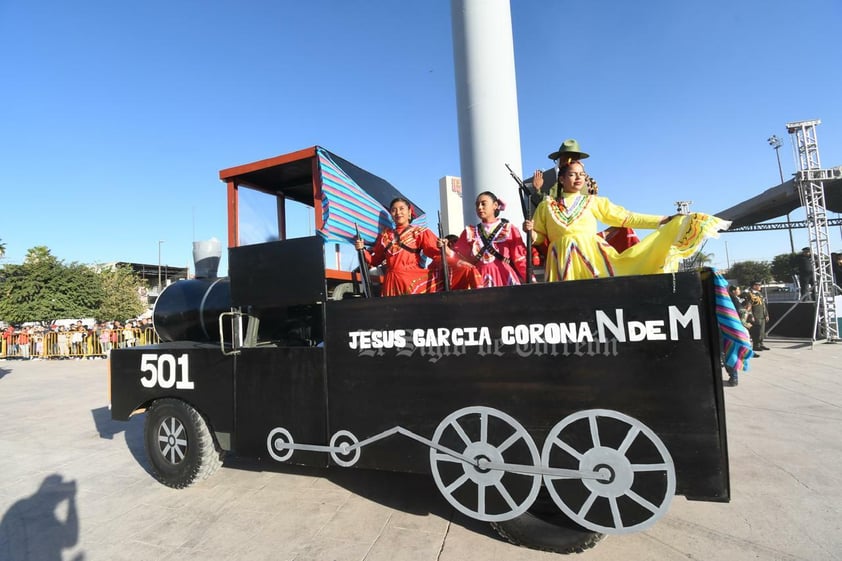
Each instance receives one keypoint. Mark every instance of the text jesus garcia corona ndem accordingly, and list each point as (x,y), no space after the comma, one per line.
(608,326)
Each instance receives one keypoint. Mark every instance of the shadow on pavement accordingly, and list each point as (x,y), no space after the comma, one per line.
(41,526)
(411,493)
(3,372)
(109,428)
(407,492)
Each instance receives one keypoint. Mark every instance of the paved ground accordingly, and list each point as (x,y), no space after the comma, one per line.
(61,454)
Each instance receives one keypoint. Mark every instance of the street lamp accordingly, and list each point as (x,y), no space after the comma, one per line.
(776,143)
(159,265)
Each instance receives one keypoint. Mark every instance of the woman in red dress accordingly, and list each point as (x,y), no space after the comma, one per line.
(400,249)
(494,245)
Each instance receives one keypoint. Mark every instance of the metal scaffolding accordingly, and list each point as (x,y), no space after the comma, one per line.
(810,181)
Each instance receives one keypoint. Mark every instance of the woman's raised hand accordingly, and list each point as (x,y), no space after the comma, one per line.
(359,244)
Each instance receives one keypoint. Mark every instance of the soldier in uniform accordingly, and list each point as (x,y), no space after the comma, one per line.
(761,315)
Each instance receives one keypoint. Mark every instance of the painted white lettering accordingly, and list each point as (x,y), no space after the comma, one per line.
(584,332)
(418,337)
(507,335)
(471,332)
(552,333)
(567,331)
(691,316)
(654,330)
(443,335)
(637,331)
(603,322)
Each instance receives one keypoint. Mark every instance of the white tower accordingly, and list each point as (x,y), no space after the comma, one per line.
(486,100)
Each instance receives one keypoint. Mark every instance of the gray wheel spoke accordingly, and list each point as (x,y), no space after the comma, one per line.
(508,442)
(627,442)
(641,501)
(567,448)
(594,431)
(649,467)
(461,432)
(586,506)
(615,512)
(458,482)
(483,427)
(505,494)
(481,489)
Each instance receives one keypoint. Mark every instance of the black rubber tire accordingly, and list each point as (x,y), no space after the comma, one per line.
(545,528)
(196,456)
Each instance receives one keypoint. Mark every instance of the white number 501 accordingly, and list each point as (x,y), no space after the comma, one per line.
(165,371)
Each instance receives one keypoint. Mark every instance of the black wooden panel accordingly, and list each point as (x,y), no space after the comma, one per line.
(209,371)
(672,386)
(277,274)
(281,388)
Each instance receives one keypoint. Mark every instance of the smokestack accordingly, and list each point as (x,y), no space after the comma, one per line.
(206,256)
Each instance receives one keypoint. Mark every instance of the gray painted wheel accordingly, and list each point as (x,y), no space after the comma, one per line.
(600,502)
(492,494)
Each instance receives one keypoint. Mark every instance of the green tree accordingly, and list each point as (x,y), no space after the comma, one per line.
(43,289)
(121,300)
(704,259)
(2,248)
(784,266)
(746,272)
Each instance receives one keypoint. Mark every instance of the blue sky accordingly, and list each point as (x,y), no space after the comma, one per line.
(115,117)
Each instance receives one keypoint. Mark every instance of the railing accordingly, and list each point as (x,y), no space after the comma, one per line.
(63,345)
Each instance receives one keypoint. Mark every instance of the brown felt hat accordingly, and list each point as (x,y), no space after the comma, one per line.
(569,148)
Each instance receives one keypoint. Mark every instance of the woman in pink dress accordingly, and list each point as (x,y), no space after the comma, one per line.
(495,246)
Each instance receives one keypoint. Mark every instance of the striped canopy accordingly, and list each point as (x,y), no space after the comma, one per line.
(352,196)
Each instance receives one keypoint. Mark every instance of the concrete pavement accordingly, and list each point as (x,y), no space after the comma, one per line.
(73,486)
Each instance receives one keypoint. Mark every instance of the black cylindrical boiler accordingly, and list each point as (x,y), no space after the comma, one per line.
(188,310)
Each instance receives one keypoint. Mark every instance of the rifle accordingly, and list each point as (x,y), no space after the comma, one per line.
(366,280)
(445,268)
(526,207)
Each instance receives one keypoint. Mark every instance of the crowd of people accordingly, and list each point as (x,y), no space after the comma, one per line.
(564,230)
(76,341)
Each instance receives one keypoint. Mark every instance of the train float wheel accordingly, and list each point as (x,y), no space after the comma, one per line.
(482,434)
(638,475)
(179,444)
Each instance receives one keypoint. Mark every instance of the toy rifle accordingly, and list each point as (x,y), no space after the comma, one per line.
(366,279)
(445,268)
(526,206)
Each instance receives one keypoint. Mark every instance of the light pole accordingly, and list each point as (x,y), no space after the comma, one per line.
(159,265)
(776,143)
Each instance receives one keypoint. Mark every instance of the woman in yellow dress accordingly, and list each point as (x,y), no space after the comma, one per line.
(569,223)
